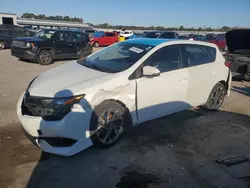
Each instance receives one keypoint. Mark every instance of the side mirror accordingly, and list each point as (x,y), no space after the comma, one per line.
(150,71)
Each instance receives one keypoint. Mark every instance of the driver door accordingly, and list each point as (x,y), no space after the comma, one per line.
(164,94)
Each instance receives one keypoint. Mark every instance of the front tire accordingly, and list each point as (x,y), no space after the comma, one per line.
(45,58)
(216,97)
(2,45)
(108,123)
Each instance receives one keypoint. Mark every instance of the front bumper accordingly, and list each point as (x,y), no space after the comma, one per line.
(23,53)
(74,126)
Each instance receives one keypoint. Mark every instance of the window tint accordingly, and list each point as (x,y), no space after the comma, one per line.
(76,37)
(221,37)
(109,34)
(166,59)
(17,34)
(167,35)
(4,33)
(62,36)
(197,55)
(151,34)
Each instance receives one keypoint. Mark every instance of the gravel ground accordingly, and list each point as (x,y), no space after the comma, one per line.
(175,151)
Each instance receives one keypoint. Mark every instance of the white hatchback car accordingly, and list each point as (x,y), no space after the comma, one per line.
(94,100)
(126,34)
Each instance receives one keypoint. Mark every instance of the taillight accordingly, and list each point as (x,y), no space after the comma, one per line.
(228,64)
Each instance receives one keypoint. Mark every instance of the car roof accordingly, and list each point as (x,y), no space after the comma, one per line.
(72,30)
(149,41)
(158,41)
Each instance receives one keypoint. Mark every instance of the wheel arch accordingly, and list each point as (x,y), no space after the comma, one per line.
(122,103)
(47,48)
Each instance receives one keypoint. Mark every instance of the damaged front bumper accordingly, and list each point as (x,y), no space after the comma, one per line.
(64,137)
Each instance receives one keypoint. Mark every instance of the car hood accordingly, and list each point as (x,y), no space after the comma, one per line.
(30,39)
(238,41)
(66,80)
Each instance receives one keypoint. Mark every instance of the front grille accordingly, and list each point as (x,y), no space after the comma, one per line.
(19,44)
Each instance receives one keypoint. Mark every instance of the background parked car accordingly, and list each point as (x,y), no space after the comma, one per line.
(151,34)
(184,37)
(238,42)
(8,33)
(48,45)
(126,34)
(199,37)
(105,39)
(218,39)
(168,35)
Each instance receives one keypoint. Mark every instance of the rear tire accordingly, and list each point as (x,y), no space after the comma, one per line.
(247,74)
(108,123)
(45,57)
(216,97)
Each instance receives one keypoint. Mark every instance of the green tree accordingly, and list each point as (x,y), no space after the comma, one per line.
(181,28)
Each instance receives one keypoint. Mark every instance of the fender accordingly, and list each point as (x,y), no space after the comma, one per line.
(123,94)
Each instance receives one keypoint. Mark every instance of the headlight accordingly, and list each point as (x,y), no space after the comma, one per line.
(30,44)
(50,108)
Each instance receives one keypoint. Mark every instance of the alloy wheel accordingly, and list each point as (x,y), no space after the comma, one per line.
(217,97)
(45,58)
(110,126)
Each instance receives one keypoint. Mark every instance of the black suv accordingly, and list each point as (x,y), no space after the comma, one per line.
(8,33)
(50,44)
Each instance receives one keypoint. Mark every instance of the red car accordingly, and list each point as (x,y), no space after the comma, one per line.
(107,38)
(218,39)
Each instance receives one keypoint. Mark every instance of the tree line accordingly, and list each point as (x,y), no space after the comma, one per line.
(125,27)
(59,18)
(160,28)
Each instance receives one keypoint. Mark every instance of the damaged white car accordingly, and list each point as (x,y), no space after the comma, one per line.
(94,100)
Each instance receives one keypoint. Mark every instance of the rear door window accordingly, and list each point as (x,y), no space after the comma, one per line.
(109,34)
(195,55)
(76,37)
(62,36)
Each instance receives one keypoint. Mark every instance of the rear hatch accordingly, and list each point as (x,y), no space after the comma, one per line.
(238,41)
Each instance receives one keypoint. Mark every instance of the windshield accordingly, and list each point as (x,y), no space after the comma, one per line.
(45,34)
(116,58)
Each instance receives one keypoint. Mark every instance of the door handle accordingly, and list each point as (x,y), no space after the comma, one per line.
(70,44)
(183,78)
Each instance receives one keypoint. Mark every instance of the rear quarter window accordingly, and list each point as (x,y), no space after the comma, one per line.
(199,55)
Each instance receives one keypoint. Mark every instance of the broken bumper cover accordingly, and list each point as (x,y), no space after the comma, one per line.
(64,137)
